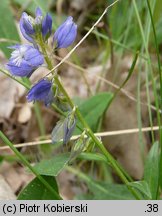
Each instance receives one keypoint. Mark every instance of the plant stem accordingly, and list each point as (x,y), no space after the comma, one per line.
(39,119)
(13,78)
(108,156)
(44,51)
(26,163)
(160,79)
(145,43)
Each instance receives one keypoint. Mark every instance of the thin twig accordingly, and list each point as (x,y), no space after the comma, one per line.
(122,90)
(85,36)
(101,134)
(4,40)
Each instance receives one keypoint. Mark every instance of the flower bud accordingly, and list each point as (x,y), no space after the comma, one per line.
(26,27)
(64,129)
(69,126)
(47,26)
(29,26)
(65,34)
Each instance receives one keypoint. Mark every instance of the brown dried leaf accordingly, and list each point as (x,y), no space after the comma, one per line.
(10,92)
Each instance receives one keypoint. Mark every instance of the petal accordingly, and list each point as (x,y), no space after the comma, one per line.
(23,31)
(25,70)
(49,98)
(17,46)
(47,25)
(33,56)
(28,27)
(69,38)
(66,33)
(38,12)
(41,91)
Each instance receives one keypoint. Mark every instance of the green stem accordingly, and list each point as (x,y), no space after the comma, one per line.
(160,77)
(26,163)
(145,43)
(39,119)
(13,78)
(89,131)
(44,51)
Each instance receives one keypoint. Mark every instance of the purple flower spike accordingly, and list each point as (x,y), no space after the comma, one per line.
(29,26)
(42,91)
(66,33)
(24,60)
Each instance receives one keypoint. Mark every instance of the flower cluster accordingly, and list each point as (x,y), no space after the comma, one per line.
(31,28)
(25,59)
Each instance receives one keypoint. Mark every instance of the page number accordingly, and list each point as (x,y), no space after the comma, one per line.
(152,208)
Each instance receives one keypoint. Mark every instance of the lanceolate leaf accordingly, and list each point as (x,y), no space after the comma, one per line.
(53,166)
(93,109)
(35,190)
(7,27)
(104,191)
(151,172)
(143,187)
(30,6)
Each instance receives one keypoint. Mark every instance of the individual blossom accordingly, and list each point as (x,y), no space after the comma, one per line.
(65,34)
(41,91)
(30,26)
(24,60)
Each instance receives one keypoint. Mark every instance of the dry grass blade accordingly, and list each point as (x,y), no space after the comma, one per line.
(85,36)
(122,90)
(102,134)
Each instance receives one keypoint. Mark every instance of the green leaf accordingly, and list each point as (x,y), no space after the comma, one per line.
(30,6)
(35,190)
(7,27)
(157,10)
(53,166)
(93,109)
(151,171)
(143,187)
(92,157)
(104,191)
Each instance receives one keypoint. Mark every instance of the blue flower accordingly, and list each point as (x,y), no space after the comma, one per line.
(66,33)
(41,91)
(24,60)
(29,26)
